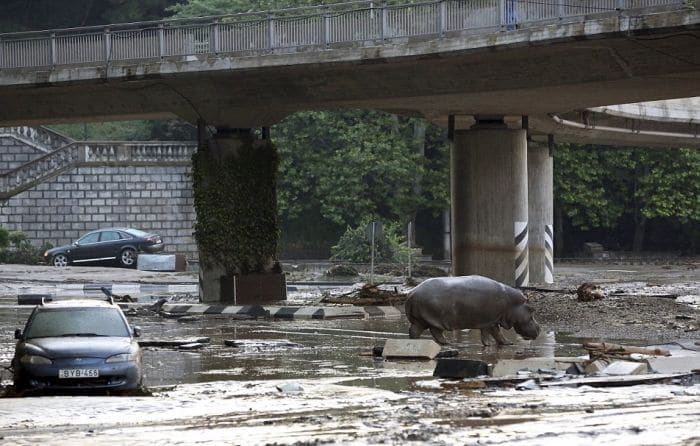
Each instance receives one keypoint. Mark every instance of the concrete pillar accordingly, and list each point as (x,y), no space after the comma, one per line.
(540,177)
(237,227)
(489,203)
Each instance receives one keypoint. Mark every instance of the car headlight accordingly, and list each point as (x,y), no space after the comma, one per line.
(124,357)
(35,360)
(46,253)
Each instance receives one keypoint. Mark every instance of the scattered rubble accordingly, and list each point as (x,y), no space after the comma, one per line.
(177,343)
(261,345)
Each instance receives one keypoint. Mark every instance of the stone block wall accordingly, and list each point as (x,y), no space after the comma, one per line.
(155,198)
(14,153)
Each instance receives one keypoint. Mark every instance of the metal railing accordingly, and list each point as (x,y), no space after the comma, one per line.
(261,33)
(81,153)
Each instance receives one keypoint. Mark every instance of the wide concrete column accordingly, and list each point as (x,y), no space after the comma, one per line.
(540,177)
(489,202)
(236,231)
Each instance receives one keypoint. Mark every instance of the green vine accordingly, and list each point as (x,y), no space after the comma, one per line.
(236,204)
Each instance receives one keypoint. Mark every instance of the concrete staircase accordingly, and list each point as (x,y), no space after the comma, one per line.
(63,154)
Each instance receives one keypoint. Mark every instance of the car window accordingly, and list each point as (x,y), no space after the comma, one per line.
(77,321)
(136,232)
(109,236)
(89,238)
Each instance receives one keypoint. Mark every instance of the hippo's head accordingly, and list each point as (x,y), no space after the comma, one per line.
(520,316)
(524,323)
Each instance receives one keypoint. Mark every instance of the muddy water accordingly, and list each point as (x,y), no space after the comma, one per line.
(284,349)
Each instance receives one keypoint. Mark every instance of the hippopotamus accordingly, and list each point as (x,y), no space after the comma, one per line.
(455,303)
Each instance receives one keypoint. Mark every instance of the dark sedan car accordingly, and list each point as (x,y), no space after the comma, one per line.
(76,345)
(120,244)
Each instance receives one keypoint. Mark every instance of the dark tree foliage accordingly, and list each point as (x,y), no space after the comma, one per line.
(34,15)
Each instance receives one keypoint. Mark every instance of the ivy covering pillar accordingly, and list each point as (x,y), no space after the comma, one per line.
(234,181)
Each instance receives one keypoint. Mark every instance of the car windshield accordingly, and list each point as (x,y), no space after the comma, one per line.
(77,322)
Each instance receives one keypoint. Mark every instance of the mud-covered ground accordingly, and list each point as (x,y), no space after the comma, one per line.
(330,391)
(648,303)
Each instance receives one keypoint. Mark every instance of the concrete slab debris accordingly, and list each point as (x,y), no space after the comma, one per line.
(618,368)
(596,366)
(411,348)
(510,367)
(161,262)
(460,368)
(673,364)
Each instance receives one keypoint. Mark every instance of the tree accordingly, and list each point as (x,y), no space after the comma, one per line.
(337,168)
(620,191)
(32,15)
(203,8)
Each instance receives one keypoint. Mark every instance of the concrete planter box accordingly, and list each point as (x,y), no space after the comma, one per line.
(161,262)
(246,289)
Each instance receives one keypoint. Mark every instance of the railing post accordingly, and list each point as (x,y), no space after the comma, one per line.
(326,28)
(108,46)
(161,40)
(54,52)
(382,23)
(560,4)
(443,18)
(217,38)
(271,30)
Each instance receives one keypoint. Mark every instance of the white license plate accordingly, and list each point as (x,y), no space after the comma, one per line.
(78,373)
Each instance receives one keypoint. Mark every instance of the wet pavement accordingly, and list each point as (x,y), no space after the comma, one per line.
(315,381)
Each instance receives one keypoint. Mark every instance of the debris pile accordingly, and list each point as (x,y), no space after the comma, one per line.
(368,295)
(588,292)
(341,271)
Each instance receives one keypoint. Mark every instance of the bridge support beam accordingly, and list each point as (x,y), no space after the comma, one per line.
(234,180)
(540,177)
(489,202)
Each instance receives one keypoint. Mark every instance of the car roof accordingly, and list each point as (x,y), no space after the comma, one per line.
(78,303)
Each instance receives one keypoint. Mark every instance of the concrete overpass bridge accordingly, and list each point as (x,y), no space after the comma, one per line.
(499,73)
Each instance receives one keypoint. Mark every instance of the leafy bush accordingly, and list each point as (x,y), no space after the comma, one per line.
(354,244)
(16,248)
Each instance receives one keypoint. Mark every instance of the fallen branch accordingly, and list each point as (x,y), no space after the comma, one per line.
(608,348)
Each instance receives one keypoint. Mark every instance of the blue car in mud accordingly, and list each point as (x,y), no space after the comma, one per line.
(71,346)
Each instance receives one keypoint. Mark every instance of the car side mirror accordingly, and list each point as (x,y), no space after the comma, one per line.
(75,243)
(137,332)
(18,333)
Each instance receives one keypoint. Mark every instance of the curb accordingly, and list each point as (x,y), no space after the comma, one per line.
(291,313)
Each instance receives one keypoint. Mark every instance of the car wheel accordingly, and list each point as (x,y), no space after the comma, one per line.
(127,258)
(60,260)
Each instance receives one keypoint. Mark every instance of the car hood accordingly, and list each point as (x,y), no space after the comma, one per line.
(78,346)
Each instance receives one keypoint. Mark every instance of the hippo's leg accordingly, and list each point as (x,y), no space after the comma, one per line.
(415,331)
(495,332)
(438,336)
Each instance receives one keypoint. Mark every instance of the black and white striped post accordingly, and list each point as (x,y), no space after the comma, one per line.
(522,270)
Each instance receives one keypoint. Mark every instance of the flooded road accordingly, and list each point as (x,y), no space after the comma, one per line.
(308,382)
